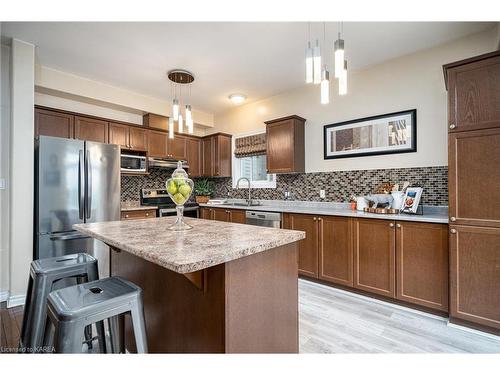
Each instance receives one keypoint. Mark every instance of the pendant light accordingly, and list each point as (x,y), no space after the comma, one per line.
(171,127)
(175,109)
(189,119)
(339,53)
(180,78)
(325,86)
(180,124)
(343,80)
(317,63)
(309,58)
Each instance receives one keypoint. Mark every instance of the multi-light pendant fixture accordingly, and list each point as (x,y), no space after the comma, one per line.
(318,73)
(180,78)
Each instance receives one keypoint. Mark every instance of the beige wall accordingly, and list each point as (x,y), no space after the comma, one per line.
(412,81)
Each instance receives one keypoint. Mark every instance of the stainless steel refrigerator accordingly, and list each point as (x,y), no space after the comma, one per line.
(76,182)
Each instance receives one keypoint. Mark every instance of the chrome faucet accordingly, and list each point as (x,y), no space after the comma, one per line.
(249,201)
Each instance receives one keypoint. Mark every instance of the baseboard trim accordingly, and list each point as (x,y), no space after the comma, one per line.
(473,330)
(4,296)
(18,300)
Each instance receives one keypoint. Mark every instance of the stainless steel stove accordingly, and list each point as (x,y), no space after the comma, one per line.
(166,207)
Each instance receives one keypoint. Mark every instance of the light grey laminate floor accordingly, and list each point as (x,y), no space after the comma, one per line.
(334,321)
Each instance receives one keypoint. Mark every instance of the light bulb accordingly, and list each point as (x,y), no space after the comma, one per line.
(339,57)
(175,110)
(188,114)
(325,86)
(190,125)
(343,80)
(180,123)
(171,128)
(317,64)
(309,63)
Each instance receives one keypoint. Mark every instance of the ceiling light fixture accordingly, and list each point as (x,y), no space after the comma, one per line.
(171,128)
(178,79)
(237,98)
(317,63)
(343,80)
(309,58)
(325,86)
(339,52)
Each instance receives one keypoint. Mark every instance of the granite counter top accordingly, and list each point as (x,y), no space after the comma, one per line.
(432,214)
(209,242)
(135,206)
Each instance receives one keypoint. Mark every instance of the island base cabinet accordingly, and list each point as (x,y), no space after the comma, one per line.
(422,264)
(308,247)
(249,305)
(475,275)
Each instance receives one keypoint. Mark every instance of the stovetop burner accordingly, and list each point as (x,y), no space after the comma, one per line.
(160,198)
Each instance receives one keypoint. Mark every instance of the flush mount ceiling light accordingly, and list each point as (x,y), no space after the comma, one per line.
(180,78)
(237,98)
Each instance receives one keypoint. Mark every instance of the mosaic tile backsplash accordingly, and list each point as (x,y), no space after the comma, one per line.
(338,186)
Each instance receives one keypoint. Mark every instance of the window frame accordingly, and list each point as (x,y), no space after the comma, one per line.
(236,172)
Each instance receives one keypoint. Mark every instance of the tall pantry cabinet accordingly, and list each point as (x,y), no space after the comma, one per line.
(474,190)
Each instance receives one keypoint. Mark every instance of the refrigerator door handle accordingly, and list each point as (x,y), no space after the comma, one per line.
(81,181)
(88,186)
(65,237)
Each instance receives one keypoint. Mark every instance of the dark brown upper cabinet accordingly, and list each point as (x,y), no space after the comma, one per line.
(217,155)
(157,144)
(285,145)
(177,147)
(473,92)
(138,139)
(194,156)
(128,137)
(54,124)
(89,129)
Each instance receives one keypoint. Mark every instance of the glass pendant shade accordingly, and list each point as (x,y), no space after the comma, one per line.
(180,124)
(339,57)
(171,128)
(317,63)
(175,110)
(188,114)
(325,86)
(343,80)
(309,63)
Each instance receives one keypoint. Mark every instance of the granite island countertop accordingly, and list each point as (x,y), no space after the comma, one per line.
(135,206)
(209,243)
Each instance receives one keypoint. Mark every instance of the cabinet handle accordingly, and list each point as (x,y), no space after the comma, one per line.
(453,218)
(398,225)
(391,225)
(453,231)
(452,126)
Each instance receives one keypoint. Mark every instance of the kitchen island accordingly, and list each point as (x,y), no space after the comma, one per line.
(217,288)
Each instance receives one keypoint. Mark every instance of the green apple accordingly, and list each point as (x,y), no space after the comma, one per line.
(172,188)
(179,199)
(179,181)
(185,190)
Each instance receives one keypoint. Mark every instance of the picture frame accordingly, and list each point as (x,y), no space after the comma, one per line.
(391,133)
(411,200)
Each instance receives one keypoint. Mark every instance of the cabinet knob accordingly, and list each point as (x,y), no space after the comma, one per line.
(452,126)
(319,218)
(453,218)
(147,213)
(126,216)
(391,225)
(398,225)
(453,231)
(314,219)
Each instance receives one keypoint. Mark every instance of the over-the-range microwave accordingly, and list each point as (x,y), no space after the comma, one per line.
(133,163)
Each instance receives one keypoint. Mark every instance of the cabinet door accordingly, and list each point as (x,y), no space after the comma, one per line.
(88,129)
(223,156)
(335,250)
(308,248)
(475,274)
(280,147)
(474,95)
(194,156)
(53,124)
(119,135)
(220,214)
(208,156)
(237,216)
(422,264)
(138,214)
(138,139)
(374,256)
(177,147)
(206,213)
(474,175)
(157,144)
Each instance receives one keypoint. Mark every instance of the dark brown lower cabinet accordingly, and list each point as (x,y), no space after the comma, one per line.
(374,256)
(422,264)
(223,214)
(475,274)
(335,249)
(308,248)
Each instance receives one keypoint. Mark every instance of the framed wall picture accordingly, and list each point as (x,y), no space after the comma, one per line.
(377,135)
(411,200)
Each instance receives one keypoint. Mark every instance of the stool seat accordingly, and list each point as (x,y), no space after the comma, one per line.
(57,265)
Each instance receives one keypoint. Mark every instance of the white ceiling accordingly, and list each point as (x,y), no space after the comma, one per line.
(257,59)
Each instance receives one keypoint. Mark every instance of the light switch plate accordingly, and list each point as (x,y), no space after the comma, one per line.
(322,193)
(2,183)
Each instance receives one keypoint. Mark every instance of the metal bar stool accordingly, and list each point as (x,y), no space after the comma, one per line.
(71,309)
(44,274)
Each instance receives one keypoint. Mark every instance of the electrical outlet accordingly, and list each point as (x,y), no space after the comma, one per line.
(322,194)
(2,183)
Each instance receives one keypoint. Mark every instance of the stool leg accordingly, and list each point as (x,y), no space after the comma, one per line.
(48,336)
(88,330)
(27,307)
(42,286)
(101,336)
(137,313)
(116,334)
(68,337)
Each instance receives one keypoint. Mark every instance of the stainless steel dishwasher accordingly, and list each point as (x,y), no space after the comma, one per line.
(264,219)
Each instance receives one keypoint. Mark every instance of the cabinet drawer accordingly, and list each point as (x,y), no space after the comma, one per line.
(138,214)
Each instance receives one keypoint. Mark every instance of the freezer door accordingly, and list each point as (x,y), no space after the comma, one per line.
(102,182)
(59,184)
(59,244)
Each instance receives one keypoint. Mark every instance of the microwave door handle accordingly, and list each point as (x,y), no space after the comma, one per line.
(88,186)
(81,182)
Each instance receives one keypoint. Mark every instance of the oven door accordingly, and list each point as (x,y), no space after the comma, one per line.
(132,163)
(188,212)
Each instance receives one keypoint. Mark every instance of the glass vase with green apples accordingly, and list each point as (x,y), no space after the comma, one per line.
(179,188)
